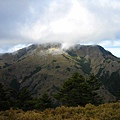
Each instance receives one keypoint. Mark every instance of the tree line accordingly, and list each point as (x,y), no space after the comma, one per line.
(22,99)
(75,91)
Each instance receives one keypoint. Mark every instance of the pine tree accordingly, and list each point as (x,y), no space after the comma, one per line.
(78,91)
(44,102)
(2,93)
(24,96)
(4,102)
(118,94)
(94,85)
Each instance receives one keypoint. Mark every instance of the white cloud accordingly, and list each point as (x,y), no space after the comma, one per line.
(112,46)
(78,24)
(108,43)
(17,47)
(65,21)
(114,51)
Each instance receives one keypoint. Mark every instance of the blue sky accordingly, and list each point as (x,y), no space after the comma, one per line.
(65,21)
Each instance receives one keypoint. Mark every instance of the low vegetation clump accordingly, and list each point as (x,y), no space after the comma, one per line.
(109,111)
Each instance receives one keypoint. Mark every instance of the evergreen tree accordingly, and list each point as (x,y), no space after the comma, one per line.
(118,94)
(24,96)
(4,101)
(78,91)
(94,85)
(44,102)
(2,93)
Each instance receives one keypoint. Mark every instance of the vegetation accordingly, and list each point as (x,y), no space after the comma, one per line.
(109,111)
(22,100)
(85,65)
(40,70)
(44,102)
(77,90)
(118,94)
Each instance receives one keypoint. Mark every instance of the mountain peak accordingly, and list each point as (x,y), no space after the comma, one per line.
(44,67)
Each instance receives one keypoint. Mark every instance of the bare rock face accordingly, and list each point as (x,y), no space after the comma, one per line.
(43,68)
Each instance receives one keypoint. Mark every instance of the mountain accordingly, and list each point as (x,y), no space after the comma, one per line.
(43,68)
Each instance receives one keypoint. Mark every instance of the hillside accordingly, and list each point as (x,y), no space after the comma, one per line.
(43,68)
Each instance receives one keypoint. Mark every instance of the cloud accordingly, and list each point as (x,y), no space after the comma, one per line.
(17,47)
(76,22)
(65,21)
(114,51)
(112,46)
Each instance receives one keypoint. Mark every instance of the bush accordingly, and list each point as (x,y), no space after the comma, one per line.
(109,111)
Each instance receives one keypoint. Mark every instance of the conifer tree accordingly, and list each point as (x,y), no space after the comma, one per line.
(44,102)
(78,91)
(24,96)
(118,94)
(4,102)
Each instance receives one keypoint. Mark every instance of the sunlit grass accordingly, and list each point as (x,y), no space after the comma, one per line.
(109,111)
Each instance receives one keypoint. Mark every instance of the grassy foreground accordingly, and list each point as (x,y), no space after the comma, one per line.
(109,111)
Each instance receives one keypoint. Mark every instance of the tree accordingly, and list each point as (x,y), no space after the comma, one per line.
(4,102)
(118,94)
(94,85)
(44,102)
(24,96)
(78,91)
(2,93)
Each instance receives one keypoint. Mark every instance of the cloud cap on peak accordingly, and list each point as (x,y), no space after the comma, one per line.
(64,21)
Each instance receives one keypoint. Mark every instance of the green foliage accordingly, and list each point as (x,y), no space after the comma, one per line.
(6,65)
(22,100)
(23,97)
(57,66)
(85,65)
(54,61)
(2,93)
(24,94)
(78,91)
(4,98)
(72,53)
(44,102)
(111,81)
(118,94)
(68,69)
(4,105)
(32,73)
(15,84)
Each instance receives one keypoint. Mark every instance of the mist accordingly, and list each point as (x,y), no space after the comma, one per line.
(68,22)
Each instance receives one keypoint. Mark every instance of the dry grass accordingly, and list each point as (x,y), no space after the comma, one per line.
(109,111)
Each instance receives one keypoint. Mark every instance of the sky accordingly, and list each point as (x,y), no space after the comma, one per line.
(25,22)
